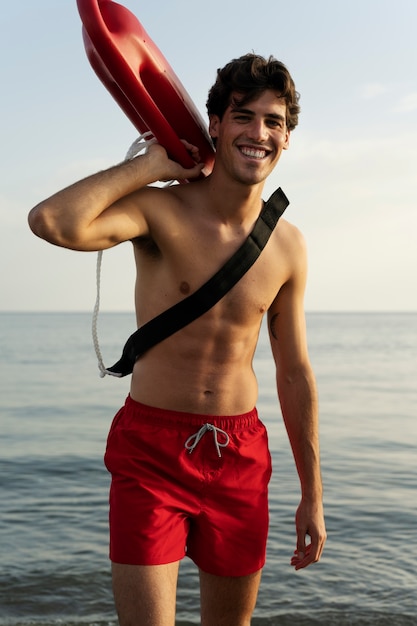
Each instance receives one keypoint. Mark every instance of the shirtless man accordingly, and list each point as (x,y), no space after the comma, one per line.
(178,488)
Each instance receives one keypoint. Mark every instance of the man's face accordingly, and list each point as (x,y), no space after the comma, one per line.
(251,138)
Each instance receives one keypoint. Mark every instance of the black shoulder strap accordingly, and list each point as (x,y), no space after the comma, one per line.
(199,302)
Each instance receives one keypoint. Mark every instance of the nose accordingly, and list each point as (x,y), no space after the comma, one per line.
(258,130)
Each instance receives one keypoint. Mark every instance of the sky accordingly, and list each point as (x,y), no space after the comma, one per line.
(350,172)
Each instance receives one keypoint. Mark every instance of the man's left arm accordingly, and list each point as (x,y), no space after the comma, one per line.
(299,403)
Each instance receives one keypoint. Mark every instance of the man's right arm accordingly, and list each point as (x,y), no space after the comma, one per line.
(104,209)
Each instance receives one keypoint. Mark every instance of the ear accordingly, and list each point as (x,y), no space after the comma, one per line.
(287,140)
(214,122)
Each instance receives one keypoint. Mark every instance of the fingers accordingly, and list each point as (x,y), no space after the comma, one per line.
(300,551)
(309,521)
(195,171)
(192,150)
(306,554)
(168,169)
(303,557)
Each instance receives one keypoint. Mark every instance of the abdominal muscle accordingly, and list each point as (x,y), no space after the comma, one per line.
(205,368)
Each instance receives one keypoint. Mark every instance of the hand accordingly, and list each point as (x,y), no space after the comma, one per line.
(309,520)
(170,169)
(193,150)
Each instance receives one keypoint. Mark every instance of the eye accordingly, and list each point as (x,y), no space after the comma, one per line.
(274,123)
(241,117)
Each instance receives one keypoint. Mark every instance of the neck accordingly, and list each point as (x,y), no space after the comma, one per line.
(232,201)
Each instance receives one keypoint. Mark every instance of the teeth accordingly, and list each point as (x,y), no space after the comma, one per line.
(253,152)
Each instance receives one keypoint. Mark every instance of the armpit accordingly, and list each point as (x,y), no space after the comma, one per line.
(147,245)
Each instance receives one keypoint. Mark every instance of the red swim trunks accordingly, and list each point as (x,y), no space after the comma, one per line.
(188,485)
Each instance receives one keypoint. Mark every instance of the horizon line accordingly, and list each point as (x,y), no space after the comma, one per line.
(132,312)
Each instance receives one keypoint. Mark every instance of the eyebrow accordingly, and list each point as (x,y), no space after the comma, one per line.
(274,116)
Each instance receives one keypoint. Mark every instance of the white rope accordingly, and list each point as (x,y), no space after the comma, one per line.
(100,362)
(140,144)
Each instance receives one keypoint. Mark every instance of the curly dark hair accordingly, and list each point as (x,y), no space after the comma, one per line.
(250,75)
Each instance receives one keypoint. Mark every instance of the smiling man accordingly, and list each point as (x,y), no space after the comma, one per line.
(188,454)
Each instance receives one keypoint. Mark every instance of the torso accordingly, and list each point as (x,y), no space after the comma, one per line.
(207,366)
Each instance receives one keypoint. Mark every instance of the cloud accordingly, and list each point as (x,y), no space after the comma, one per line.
(407,104)
(373,90)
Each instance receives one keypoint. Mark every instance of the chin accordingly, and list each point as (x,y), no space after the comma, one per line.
(252,178)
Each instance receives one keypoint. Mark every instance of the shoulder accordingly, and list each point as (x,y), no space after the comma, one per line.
(159,206)
(291,233)
(288,305)
(292,243)
(150,197)
(173,198)
(168,212)
(291,258)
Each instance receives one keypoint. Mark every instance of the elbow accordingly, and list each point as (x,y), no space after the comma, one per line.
(41,222)
(297,374)
(37,221)
(44,224)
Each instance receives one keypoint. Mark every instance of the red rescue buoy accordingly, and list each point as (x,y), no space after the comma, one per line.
(139,78)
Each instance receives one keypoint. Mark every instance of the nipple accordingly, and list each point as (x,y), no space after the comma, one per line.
(184,287)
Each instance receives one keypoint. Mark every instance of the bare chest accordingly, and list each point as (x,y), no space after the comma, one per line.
(188,263)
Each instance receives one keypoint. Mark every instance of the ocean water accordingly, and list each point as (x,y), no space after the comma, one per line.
(55,414)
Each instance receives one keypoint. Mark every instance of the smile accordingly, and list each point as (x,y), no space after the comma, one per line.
(253,153)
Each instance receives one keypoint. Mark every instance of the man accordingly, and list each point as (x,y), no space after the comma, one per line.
(188,455)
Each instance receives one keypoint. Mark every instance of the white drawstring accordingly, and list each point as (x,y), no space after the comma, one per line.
(194,440)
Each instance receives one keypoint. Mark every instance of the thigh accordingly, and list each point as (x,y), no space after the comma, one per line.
(148,494)
(145,594)
(228,537)
(228,601)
